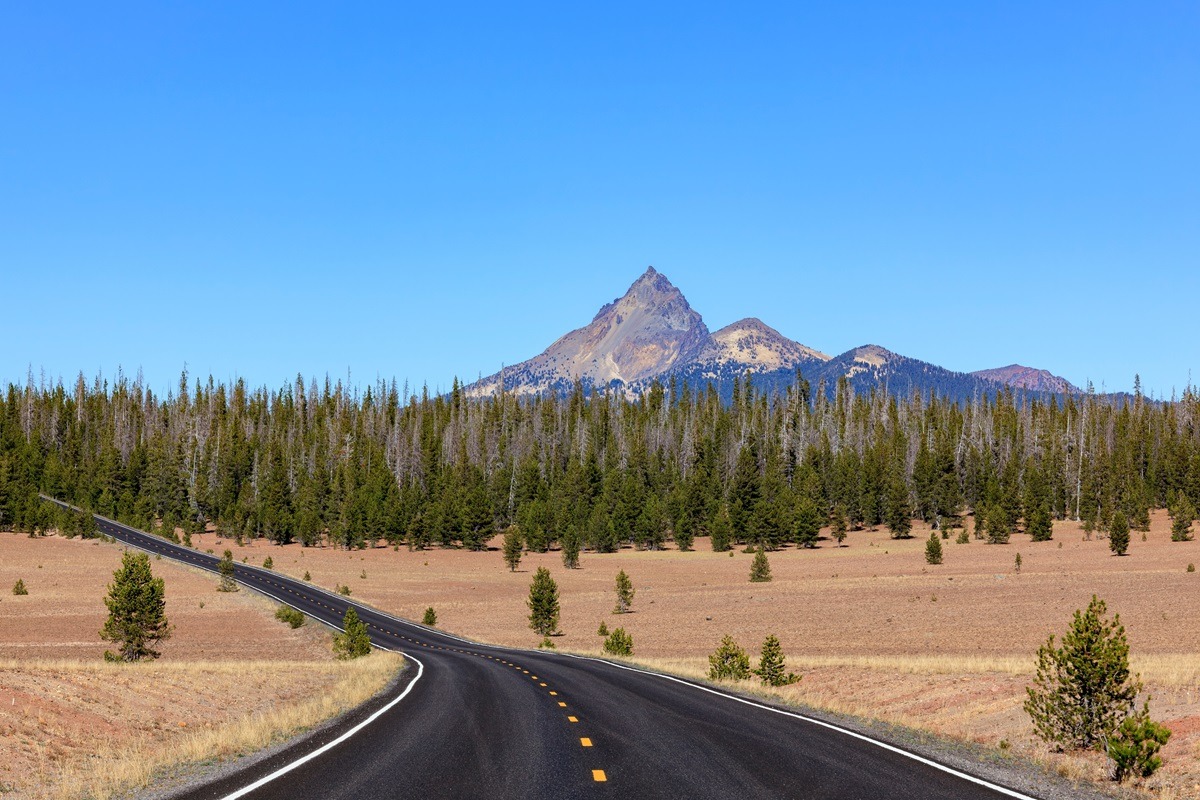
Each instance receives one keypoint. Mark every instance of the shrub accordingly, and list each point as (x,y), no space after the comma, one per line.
(430,617)
(1191,567)
(546,644)
(619,643)
(291,616)
(933,549)
(624,593)
(771,666)
(760,569)
(1083,689)
(729,662)
(307,576)
(19,587)
(963,537)
(355,642)
(602,630)
(343,590)
(1017,563)
(268,563)
(1135,745)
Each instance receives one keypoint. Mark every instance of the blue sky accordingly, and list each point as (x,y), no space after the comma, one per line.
(424,192)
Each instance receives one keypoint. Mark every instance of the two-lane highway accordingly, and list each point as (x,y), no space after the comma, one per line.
(472,720)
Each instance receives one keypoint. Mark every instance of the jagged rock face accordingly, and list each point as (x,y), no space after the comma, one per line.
(1019,377)
(647,332)
(755,346)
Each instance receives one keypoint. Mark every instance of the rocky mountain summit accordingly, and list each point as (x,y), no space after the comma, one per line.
(651,332)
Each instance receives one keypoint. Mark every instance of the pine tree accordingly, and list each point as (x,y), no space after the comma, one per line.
(729,662)
(355,642)
(136,611)
(225,569)
(1118,534)
(543,603)
(619,643)
(897,513)
(760,568)
(721,536)
(771,670)
(1182,513)
(1135,745)
(1040,526)
(19,588)
(512,547)
(430,617)
(839,524)
(625,593)
(570,547)
(1083,689)
(933,549)
(807,524)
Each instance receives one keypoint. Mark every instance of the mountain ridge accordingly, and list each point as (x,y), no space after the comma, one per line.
(651,333)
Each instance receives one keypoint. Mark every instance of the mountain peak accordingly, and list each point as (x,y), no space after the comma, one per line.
(1021,377)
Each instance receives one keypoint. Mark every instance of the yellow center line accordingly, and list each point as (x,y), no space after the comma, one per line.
(554,694)
(541,684)
(572,719)
(598,776)
(585,742)
(561,704)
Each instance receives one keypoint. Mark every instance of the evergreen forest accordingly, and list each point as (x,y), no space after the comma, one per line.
(329,465)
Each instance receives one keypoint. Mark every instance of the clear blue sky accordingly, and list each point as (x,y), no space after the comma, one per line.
(424,191)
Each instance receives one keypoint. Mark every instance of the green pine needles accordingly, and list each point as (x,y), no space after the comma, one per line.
(771,670)
(430,617)
(513,547)
(760,568)
(19,588)
(543,603)
(225,568)
(355,642)
(1118,534)
(619,643)
(933,549)
(625,594)
(729,662)
(1083,689)
(136,611)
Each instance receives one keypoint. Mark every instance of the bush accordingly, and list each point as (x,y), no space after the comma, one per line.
(355,642)
(293,617)
(546,644)
(771,665)
(933,549)
(307,576)
(760,569)
(343,590)
(602,630)
(1083,689)
(963,537)
(430,617)
(1191,567)
(225,569)
(619,643)
(729,662)
(268,563)
(1134,747)
(19,587)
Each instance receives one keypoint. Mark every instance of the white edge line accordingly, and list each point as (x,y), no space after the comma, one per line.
(812,720)
(329,745)
(892,748)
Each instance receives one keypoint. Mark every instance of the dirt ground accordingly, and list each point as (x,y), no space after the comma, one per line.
(61,706)
(873,628)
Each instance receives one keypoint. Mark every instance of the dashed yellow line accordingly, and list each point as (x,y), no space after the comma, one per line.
(561,704)
(572,719)
(598,776)
(585,742)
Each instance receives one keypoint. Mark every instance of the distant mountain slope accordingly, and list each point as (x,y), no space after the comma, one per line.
(1035,380)
(652,333)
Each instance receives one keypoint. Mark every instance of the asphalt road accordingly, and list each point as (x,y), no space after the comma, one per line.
(482,721)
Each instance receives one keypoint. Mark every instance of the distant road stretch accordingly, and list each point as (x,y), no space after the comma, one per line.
(471,720)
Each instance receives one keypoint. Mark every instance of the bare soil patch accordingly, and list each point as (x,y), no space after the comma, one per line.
(230,679)
(874,629)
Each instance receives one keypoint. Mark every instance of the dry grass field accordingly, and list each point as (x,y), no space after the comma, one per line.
(232,679)
(874,630)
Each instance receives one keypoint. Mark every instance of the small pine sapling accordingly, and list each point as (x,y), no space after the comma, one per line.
(729,662)
(760,568)
(1118,534)
(225,568)
(513,547)
(602,630)
(1135,745)
(19,587)
(268,563)
(430,617)
(933,549)
(355,642)
(619,643)
(625,593)
(771,670)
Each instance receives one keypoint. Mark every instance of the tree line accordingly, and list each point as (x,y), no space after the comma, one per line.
(327,464)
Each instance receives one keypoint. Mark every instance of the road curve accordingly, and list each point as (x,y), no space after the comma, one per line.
(483,721)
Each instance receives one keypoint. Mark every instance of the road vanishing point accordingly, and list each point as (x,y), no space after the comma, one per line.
(472,720)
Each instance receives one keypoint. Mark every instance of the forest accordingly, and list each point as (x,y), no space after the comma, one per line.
(325,464)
